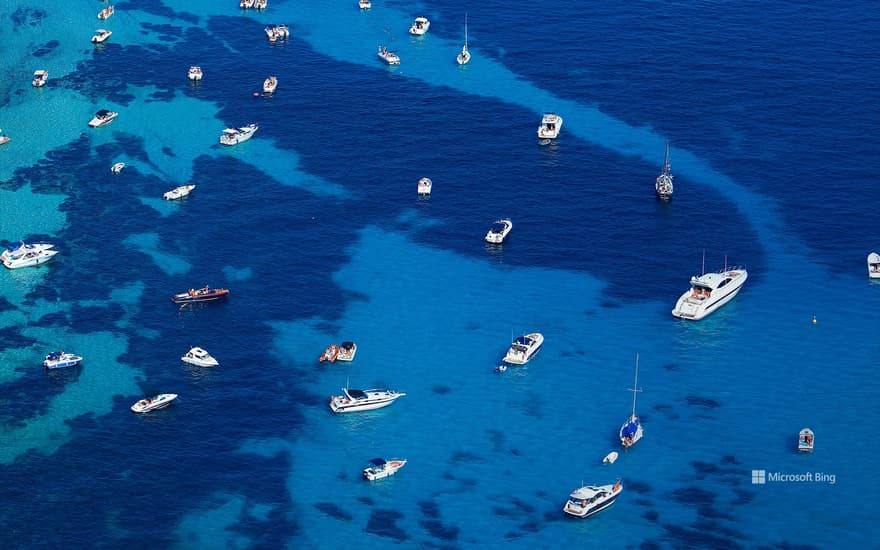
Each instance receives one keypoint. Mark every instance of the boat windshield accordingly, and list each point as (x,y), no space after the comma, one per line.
(498,227)
(357,394)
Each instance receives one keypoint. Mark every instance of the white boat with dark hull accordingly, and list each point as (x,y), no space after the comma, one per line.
(390,58)
(103,118)
(419,26)
(551,123)
(61,360)
(362,400)
(178,192)
(199,357)
(524,348)
(805,441)
(499,231)
(663,186)
(874,265)
(425,185)
(631,431)
(588,500)
(380,468)
(234,136)
(464,55)
(194,73)
(153,403)
(709,292)
(101,35)
(40,78)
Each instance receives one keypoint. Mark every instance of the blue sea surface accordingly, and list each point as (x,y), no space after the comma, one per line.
(316,228)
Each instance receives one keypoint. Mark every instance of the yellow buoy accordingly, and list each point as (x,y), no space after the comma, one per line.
(814,320)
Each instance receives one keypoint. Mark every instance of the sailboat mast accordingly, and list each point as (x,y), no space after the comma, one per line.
(636,385)
(465,30)
(666,160)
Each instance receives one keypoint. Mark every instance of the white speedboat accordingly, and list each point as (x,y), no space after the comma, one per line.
(663,185)
(347,351)
(199,357)
(365,4)
(30,258)
(154,403)
(362,400)
(22,248)
(379,468)
(874,265)
(388,57)
(709,292)
(178,192)
(464,56)
(102,118)
(551,123)
(101,35)
(805,441)
(195,73)
(610,458)
(269,85)
(4,139)
(524,348)
(425,185)
(234,136)
(499,231)
(116,168)
(106,12)
(61,360)
(40,78)
(419,26)
(632,431)
(589,500)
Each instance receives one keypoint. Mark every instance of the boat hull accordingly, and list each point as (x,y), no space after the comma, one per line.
(159,402)
(340,408)
(186,298)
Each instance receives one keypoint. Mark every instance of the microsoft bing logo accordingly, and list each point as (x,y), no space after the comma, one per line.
(759,477)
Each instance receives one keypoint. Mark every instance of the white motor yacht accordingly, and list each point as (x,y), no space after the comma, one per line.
(425,185)
(589,500)
(709,292)
(524,348)
(874,265)
(153,403)
(22,248)
(178,192)
(116,168)
(234,136)
(365,4)
(195,73)
(101,35)
(28,259)
(419,26)
(551,123)
(499,231)
(103,118)
(388,57)
(379,468)
(362,400)
(40,78)
(269,85)
(663,185)
(199,357)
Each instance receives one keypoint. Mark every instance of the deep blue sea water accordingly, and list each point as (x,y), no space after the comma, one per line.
(315,226)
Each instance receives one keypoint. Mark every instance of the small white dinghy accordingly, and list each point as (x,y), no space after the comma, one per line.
(610,458)
(116,168)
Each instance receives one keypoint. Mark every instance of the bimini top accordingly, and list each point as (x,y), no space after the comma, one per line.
(356,394)
(524,340)
(498,227)
(102,113)
(378,461)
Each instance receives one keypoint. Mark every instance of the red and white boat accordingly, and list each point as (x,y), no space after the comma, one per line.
(106,12)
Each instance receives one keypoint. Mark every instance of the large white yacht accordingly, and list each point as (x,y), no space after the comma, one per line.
(103,118)
(524,348)
(388,57)
(29,258)
(199,357)
(499,231)
(588,500)
(362,400)
(709,292)
(551,123)
(153,403)
(874,265)
(234,136)
(21,248)
(419,26)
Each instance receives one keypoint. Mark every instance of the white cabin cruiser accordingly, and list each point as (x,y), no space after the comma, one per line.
(362,400)
(524,348)
(40,78)
(709,292)
(269,85)
(178,192)
(663,186)
(419,26)
(101,35)
(425,185)
(551,123)
(589,500)
(380,468)
(234,136)
(199,357)
(874,265)
(499,231)
(195,73)
(388,57)
(153,403)
(22,248)
(103,118)
(30,258)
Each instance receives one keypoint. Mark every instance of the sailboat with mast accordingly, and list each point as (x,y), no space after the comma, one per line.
(663,185)
(631,431)
(464,56)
